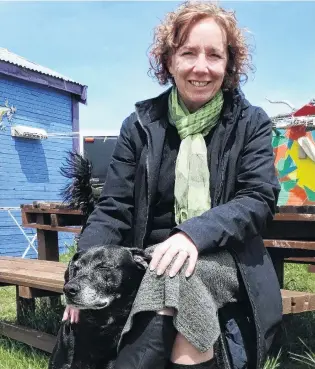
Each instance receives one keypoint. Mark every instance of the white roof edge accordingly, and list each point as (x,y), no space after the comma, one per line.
(10,57)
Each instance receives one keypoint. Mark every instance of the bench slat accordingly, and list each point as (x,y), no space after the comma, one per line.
(301,260)
(297,302)
(290,244)
(34,264)
(294,217)
(34,275)
(43,341)
(40,274)
(34,283)
(46,227)
(31,293)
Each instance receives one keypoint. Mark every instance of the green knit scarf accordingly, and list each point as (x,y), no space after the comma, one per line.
(192,177)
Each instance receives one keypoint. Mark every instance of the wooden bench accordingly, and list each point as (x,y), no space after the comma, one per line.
(38,278)
(292,234)
(289,249)
(32,278)
(297,302)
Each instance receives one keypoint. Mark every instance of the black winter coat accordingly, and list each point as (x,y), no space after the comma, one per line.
(244,191)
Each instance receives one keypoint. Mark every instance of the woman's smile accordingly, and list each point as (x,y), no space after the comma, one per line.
(199,83)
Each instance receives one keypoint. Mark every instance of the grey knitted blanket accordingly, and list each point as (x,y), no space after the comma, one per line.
(196,299)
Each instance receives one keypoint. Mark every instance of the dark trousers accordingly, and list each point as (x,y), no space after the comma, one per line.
(149,343)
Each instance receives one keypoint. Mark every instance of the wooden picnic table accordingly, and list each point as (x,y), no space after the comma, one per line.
(291,237)
(48,219)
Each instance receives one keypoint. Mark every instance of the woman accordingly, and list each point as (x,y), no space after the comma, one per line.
(193,174)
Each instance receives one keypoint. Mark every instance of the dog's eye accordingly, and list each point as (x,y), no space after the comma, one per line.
(102,267)
(75,268)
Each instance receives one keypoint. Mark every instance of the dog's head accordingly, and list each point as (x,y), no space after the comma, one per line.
(101,275)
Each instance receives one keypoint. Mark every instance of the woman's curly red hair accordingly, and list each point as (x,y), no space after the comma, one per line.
(173,31)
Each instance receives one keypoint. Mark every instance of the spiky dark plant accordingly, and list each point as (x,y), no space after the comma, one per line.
(80,192)
(308,358)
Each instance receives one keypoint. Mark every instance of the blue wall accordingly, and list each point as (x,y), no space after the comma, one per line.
(29,169)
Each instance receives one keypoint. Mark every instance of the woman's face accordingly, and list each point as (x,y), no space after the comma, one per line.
(198,66)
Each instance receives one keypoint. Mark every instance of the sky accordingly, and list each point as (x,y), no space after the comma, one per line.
(105,46)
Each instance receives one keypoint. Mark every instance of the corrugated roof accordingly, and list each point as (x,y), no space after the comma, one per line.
(8,56)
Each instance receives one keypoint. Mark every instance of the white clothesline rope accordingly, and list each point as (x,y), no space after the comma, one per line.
(30,239)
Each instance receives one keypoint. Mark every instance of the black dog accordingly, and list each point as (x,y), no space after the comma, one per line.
(102,282)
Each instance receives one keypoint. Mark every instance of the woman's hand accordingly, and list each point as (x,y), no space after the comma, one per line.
(72,313)
(178,246)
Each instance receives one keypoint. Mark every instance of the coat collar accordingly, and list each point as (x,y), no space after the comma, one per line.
(152,110)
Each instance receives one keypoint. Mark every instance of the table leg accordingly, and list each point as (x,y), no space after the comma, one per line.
(24,307)
(278,264)
(47,245)
(48,249)
(311,268)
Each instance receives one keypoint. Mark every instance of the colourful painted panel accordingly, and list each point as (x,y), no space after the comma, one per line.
(295,169)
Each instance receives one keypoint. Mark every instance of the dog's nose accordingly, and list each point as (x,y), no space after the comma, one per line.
(71,289)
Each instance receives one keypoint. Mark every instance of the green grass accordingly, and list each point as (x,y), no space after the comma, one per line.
(295,354)
(273,362)
(15,355)
(297,278)
(70,251)
(7,303)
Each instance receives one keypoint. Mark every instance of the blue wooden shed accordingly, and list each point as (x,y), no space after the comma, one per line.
(44,106)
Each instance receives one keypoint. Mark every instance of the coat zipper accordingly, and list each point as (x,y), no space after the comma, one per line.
(222,175)
(223,162)
(147,168)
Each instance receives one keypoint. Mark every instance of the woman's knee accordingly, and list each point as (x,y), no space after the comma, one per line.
(185,353)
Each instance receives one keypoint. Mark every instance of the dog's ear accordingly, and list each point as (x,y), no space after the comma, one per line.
(76,256)
(69,270)
(140,257)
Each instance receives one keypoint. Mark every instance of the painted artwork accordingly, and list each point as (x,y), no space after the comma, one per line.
(294,150)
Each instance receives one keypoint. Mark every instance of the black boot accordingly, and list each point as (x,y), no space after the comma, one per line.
(149,343)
